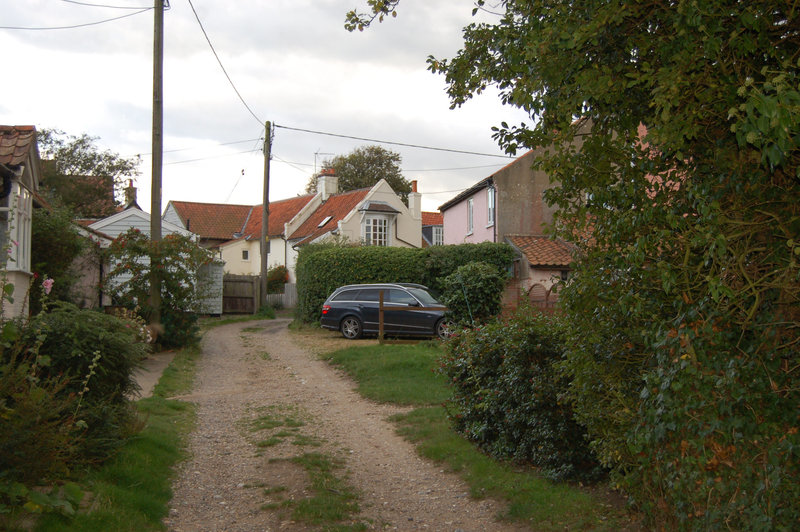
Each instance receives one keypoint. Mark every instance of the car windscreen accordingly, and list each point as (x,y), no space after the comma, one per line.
(425,298)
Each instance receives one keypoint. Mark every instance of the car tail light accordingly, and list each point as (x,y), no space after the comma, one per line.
(325,309)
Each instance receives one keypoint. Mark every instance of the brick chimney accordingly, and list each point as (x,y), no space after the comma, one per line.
(130,194)
(327,183)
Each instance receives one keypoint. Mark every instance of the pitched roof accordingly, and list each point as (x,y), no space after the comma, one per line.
(212,220)
(280,213)
(15,143)
(336,207)
(432,218)
(542,250)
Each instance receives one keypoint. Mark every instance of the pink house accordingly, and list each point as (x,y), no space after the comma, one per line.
(508,206)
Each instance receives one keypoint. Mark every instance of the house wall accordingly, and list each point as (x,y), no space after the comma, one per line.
(21,281)
(456,221)
(171,216)
(88,276)
(232,256)
(406,230)
(520,206)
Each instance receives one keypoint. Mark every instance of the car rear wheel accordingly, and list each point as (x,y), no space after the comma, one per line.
(444,329)
(351,328)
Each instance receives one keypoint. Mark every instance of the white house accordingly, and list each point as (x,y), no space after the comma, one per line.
(20,171)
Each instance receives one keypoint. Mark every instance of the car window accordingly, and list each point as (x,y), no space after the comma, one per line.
(368,294)
(426,299)
(345,295)
(400,296)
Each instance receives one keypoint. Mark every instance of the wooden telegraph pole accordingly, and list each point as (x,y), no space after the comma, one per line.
(264,248)
(158,127)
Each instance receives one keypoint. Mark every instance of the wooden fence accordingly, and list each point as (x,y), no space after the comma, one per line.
(240,295)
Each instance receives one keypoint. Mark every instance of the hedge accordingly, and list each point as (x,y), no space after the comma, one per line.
(323,268)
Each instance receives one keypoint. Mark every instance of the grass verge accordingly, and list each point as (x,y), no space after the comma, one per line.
(131,492)
(405,375)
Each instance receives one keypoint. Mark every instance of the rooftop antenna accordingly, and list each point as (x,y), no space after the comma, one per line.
(315,159)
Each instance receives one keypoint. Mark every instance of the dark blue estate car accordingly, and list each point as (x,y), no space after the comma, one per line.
(353,310)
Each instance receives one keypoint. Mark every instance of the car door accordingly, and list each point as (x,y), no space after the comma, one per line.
(398,321)
(368,305)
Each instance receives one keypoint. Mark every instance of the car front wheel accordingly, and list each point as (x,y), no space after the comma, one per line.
(351,328)
(444,329)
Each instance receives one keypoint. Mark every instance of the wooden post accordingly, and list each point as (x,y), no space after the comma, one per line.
(380,317)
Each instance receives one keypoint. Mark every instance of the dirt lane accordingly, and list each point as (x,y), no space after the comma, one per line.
(245,373)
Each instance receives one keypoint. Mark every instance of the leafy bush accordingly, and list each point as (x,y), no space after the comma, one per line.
(473,293)
(97,354)
(277,276)
(177,259)
(507,395)
(322,268)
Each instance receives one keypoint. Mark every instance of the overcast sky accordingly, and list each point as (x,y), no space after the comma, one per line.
(293,63)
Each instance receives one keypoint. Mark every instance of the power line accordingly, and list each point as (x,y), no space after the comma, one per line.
(104,5)
(393,143)
(76,25)
(211,157)
(208,40)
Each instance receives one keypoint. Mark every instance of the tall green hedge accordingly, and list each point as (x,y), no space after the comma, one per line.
(323,268)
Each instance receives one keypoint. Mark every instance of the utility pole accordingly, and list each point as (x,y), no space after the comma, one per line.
(158,145)
(265,212)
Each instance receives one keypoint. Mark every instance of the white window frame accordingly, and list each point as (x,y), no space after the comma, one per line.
(18,206)
(437,235)
(491,202)
(246,255)
(470,217)
(376,223)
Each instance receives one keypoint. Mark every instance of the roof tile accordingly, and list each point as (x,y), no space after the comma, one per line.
(15,143)
(543,251)
(432,218)
(337,207)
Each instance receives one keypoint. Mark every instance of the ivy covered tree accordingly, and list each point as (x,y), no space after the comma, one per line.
(365,166)
(82,176)
(673,129)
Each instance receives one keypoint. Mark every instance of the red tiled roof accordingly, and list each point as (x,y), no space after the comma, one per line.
(280,213)
(15,143)
(337,207)
(212,220)
(543,251)
(432,218)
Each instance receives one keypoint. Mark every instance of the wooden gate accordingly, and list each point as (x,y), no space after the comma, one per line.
(240,294)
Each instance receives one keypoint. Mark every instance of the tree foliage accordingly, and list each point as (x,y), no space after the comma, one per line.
(365,166)
(81,175)
(178,260)
(55,244)
(682,168)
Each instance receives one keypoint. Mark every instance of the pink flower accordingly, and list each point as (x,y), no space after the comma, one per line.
(47,284)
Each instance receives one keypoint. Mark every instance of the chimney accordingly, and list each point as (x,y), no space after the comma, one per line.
(130,194)
(415,202)
(327,183)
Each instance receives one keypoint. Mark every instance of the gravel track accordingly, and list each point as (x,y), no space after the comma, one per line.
(257,367)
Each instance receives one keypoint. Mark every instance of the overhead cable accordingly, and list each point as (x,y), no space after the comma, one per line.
(392,142)
(208,40)
(75,25)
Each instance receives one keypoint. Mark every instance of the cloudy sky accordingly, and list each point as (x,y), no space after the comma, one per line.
(291,61)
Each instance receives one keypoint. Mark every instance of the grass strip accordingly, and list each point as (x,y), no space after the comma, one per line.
(406,375)
(131,492)
(398,374)
(333,502)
